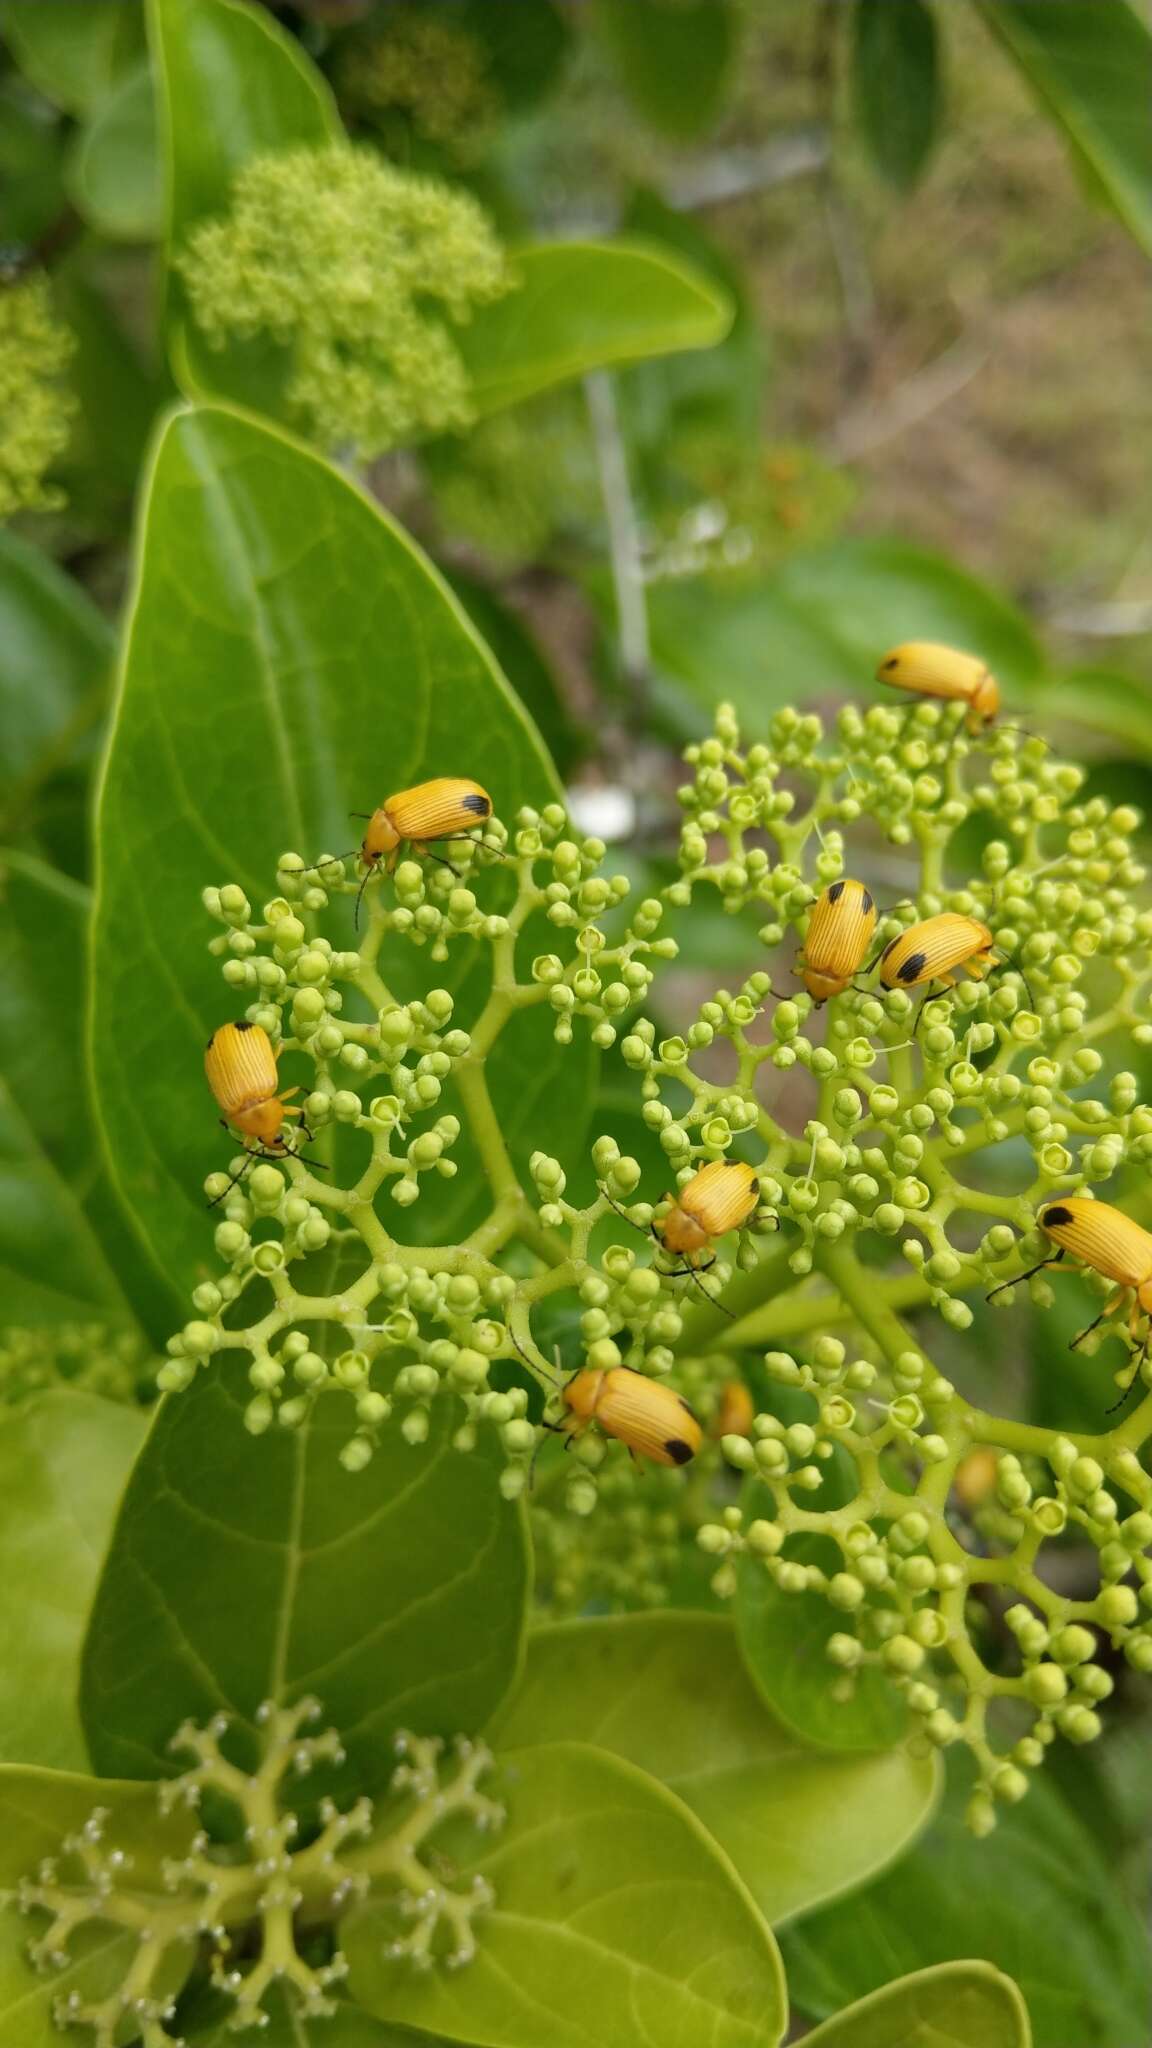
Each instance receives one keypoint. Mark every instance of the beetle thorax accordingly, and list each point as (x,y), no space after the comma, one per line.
(680,1232)
(381,837)
(260,1119)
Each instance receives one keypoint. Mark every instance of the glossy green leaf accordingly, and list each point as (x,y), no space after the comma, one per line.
(674,62)
(525,46)
(524,663)
(119,391)
(28,1997)
(783,1639)
(1089,62)
(114,175)
(1036,1899)
(584,306)
(669,1693)
(73,54)
(896,85)
(88,1244)
(820,624)
(55,655)
(232,84)
(291,658)
(616,1921)
(64,1459)
(1104,709)
(244,1569)
(954,2005)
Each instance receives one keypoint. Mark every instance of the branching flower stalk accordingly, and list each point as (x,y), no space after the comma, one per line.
(901,1157)
(259,1910)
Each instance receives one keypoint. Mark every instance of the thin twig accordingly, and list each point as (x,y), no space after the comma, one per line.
(623,539)
(866,427)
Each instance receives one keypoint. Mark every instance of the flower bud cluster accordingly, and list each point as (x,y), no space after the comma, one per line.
(94,1357)
(362,270)
(424,66)
(240,1897)
(36,406)
(904,1591)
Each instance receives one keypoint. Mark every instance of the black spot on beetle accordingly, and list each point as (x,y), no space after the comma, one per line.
(913,968)
(679,1452)
(867,902)
(1057,1214)
(835,892)
(211,1043)
(478,805)
(245,1024)
(753,1187)
(893,661)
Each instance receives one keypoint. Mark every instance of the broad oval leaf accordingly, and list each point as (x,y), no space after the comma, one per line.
(74,55)
(64,1459)
(231,84)
(1037,1899)
(55,657)
(675,63)
(291,657)
(583,306)
(349,2026)
(617,1921)
(668,1692)
(1089,62)
(29,1997)
(954,2005)
(895,78)
(243,1569)
(114,175)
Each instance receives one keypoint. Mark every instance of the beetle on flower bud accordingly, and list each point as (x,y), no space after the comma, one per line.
(1106,1242)
(839,934)
(716,1200)
(933,950)
(241,1067)
(649,1418)
(929,669)
(445,808)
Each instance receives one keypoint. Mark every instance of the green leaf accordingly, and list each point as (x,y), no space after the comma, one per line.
(525,46)
(74,55)
(232,84)
(954,2005)
(674,62)
(119,393)
(28,1997)
(1089,62)
(1108,710)
(616,1921)
(896,85)
(348,2027)
(1036,1899)
(584,306)
(821,622)
(291,657)
(64,1458)
(668,1692)
(523,662)
(49,1122)
(244,1569)
(56,654)
(114,175)
(38,1808)
(783,1638)
(31,175)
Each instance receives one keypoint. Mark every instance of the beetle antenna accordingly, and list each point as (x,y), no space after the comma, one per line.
(330,860)
(1129,1389)
(712,1300)
(1017,969)
(249,1162)
(1029,735)
(369,871)
(623,1213)
(1005,1284)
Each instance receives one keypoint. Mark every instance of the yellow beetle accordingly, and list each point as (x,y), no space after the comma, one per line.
(445,808)
(933,949)
(717,1199)
(241,1067)
(839,934)
(931,670)
(736,1412)
(1106,1242)
(644,1414)
(976,1476)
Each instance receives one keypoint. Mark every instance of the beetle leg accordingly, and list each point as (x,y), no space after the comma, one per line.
(1110,1307)
(1004,1284)
(694,1273)
(369,871)
(441,862)
(623,1213)
(249,1163)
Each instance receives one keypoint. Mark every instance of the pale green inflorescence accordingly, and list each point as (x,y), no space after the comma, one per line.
(900,1166)
(36,406)
(359,271)
(266,1897)
(427,67)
